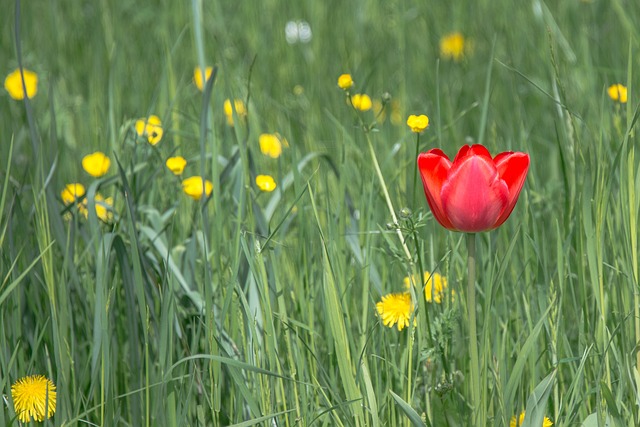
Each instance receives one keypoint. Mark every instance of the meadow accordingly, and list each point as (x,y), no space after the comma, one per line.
(269,289)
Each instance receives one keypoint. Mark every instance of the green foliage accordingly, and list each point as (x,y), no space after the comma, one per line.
(259,308)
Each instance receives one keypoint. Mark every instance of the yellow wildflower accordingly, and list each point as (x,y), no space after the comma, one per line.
(271,144)
(176,164)
(96,164)
(618,92)
(150,127)
(396,112)
(361,101)
(392,108)
(452,46)
(72,193)
(517,423)
(13,84)
(418,123)
(379,111)
(345,81)
(193,187)
(265,183)
(395,308)
(34,397)
(434,286)
(104,208)
(241,109)
(197,77)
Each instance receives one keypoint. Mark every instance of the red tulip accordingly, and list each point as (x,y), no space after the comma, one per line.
(475,192)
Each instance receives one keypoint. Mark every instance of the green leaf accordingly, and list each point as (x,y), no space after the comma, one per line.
(537,402)
(413,416)
(525,352)
(259,420)
(592,421)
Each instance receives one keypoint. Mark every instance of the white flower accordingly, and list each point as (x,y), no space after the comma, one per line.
(298,31)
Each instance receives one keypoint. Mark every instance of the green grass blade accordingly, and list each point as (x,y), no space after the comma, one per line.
(526,351)
(409,412)
(537,402)
(337,328)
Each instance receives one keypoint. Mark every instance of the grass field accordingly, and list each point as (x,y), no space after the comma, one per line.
(147,307)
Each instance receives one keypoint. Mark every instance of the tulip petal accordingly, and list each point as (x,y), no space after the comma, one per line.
(474,196)
(512,168)
(434,167)
(471,150)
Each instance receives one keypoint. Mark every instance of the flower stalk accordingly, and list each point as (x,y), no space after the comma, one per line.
(385,192)
(473,335)
(411,339)
(345,82)
(415,172)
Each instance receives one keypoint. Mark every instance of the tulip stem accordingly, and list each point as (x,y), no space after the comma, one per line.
(376,166)
(473,336)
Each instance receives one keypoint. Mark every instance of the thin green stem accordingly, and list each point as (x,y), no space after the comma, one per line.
(415,172)
(385,192)
(634,245)
(420,294)
(411,340)
(473,335)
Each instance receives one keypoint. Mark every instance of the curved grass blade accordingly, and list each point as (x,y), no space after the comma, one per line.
(413,416)
(537,402)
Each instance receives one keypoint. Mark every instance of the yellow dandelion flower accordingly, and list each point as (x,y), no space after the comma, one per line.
(34,397)
(265,183)
(194,186)
(96,164)
(517,423)
(241,109)
(270,144)
(71,193)
(13,84)
(452,46)
(618,92)
(197,77)
(434,286)
(176,164)
(150,127)
(395,308)
(345,81)
(361,101)
(418,123)
(298,90)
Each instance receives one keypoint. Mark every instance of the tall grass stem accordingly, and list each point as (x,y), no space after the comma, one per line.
(415,172)
(392,211)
